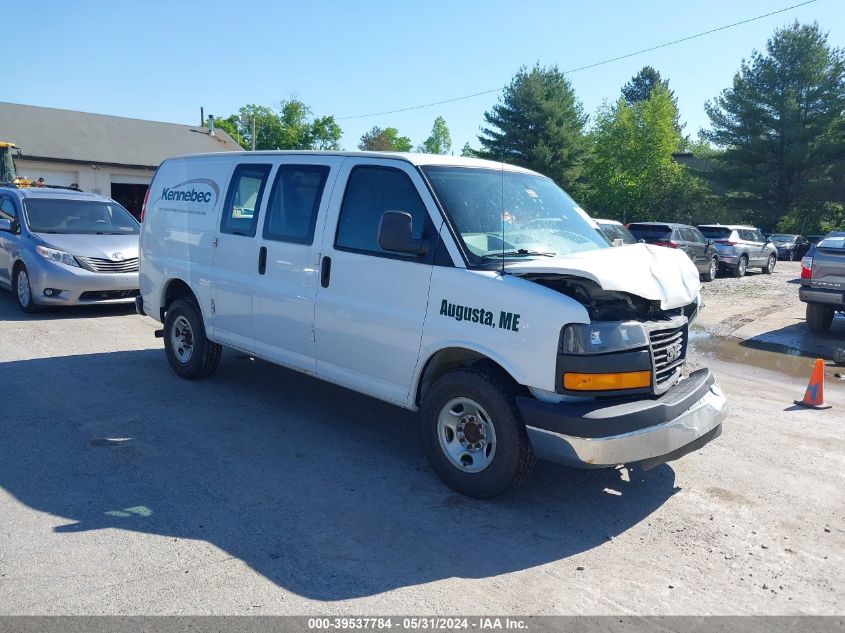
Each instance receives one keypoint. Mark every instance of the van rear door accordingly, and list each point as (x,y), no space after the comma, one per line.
(288,259)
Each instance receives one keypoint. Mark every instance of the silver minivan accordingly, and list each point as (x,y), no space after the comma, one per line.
(66,247)
(741,247)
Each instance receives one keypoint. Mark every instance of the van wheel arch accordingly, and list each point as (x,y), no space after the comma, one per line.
(176,289)
(450,358)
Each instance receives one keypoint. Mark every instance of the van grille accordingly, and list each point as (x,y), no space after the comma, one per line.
(98,265)
(668,351)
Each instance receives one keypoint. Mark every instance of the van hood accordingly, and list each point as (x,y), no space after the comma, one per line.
(99,246)
(655,273)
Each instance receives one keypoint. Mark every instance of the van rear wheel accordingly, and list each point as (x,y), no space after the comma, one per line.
(473,433)
(190,354)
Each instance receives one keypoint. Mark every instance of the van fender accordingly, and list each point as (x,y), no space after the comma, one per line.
(426,354)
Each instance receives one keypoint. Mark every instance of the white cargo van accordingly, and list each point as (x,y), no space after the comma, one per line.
(475,292)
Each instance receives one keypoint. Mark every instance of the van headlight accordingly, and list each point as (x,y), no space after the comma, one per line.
(60,257)
(602,337)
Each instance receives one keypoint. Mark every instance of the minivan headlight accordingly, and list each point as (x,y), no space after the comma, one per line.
(60,257)
(602,337)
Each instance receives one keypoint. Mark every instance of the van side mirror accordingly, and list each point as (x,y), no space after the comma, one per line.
(5,225)
(395,233)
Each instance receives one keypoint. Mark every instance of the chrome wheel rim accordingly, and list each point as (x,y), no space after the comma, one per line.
(743,265)
(182,339)
(713,266)
(466,434)
(24,293)
(772,263)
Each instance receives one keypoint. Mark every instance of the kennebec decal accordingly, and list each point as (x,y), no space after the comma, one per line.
(507,320)
(197,196)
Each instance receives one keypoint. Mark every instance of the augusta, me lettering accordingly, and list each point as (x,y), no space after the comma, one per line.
(507,320)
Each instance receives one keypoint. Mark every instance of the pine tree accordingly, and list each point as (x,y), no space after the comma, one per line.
(782,128)
(538,123)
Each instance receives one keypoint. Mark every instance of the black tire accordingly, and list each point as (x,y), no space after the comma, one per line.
(21,276)
(792,256)
(204,355)
(819,317)
(769,268)
(741,268)
(513,458)
(712,270)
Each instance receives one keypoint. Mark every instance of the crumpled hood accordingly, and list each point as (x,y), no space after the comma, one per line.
(655,273)
(99,246)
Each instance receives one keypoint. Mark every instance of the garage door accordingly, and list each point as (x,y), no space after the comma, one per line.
(60,177)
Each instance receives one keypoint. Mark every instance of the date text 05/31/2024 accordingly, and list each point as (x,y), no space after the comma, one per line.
(417,623)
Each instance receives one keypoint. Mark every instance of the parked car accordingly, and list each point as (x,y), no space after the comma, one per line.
(614,230)
(815,239)
(66,247)
(741,248)
(791,247)
(684,237)
(823,281)
(383,273)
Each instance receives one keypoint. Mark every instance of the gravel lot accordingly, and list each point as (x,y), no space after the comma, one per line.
(124,490)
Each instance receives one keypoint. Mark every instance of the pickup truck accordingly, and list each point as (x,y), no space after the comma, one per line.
(823,281)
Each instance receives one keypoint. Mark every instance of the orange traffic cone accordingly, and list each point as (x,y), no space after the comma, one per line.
(814,396)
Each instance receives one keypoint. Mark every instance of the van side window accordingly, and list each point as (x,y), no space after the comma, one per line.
(7,210)
(294,202)
(369,193)
(240,213)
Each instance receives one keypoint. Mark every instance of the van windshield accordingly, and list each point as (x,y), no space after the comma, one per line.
(509,213)
(86,217)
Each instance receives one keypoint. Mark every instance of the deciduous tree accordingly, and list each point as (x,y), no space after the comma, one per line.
(439,141)
(384,140)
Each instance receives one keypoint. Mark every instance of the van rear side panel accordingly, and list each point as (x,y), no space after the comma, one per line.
(180,224)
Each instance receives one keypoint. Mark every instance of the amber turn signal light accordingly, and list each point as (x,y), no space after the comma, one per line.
(606,382)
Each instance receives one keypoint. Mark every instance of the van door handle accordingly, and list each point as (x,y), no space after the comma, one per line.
(326,272)
(262,260)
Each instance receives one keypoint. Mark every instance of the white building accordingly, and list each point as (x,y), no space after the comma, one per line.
(109,155)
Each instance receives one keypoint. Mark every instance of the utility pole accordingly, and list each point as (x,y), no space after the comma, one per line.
(253,131)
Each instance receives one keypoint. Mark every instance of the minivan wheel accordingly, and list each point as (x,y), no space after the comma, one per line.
(189,352)
(710,275)
(741,267)
(769,268)
(23,290)
(473,433)
(819,317)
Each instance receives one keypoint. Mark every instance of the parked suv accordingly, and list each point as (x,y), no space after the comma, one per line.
(684,237)
(614,230)
(395,275)
(66,247)
(741,248)
(823,281)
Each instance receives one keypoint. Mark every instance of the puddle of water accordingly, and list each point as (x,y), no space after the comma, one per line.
(757,354)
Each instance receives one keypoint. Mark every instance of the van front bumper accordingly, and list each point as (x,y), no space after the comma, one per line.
(613,432)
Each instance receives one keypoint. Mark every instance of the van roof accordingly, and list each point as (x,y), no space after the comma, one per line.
(413,158)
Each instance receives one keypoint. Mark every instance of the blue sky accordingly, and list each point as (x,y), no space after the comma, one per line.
(163,60)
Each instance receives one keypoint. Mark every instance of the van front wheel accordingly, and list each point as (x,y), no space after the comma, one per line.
(473,433)
(189,352)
